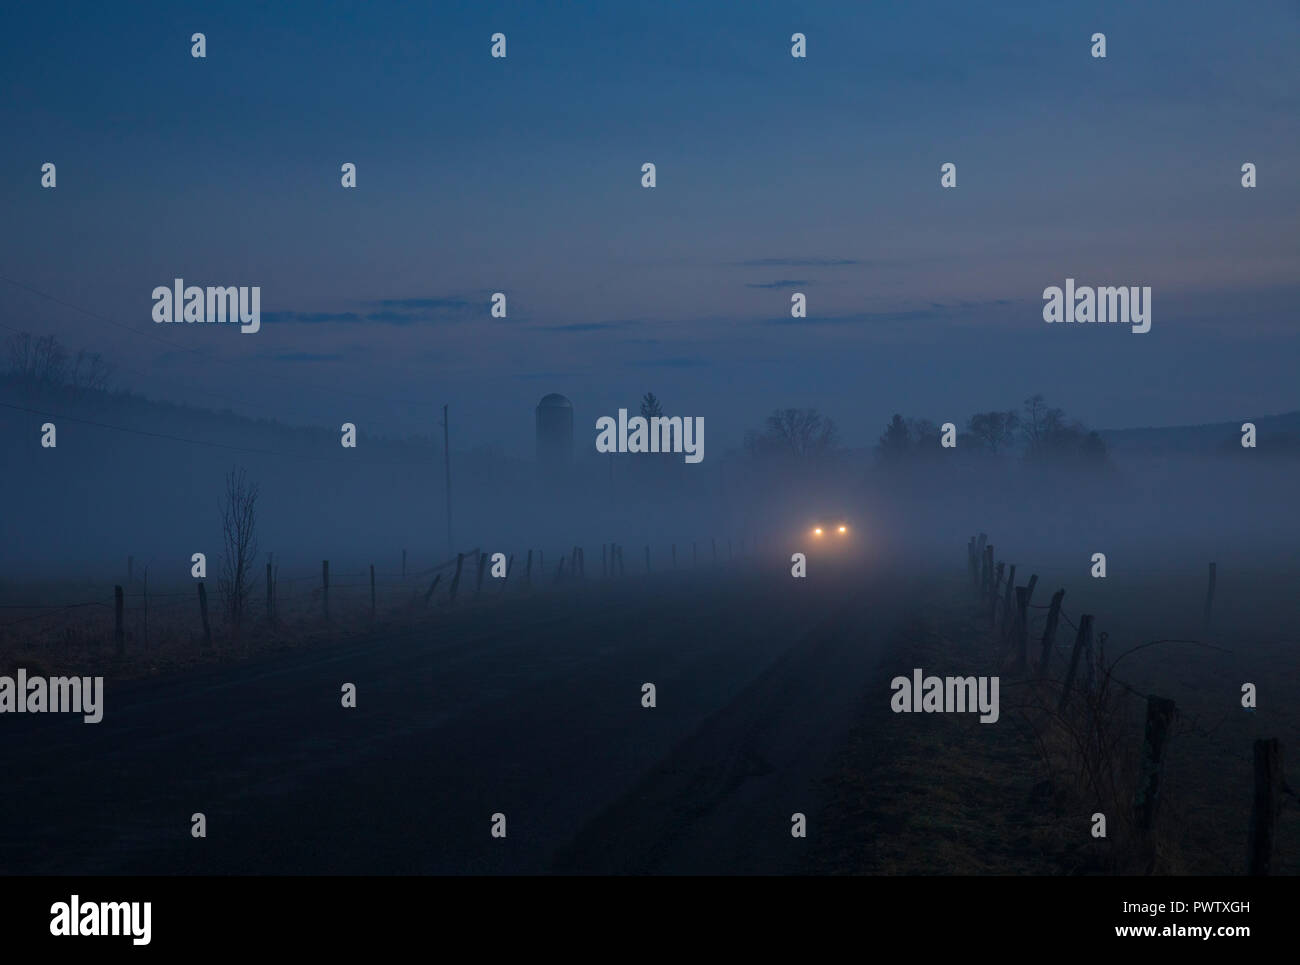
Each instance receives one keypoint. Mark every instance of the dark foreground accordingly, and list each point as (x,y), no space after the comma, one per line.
(532,710)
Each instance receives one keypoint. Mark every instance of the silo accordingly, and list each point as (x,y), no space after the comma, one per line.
(554,431)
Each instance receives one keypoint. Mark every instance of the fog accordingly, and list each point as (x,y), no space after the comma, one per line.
(133,477)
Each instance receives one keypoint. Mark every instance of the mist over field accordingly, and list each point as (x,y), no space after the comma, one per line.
(518,439)
(132,476)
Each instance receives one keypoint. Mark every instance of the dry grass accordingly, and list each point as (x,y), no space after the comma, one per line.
(165,636)
(944,794)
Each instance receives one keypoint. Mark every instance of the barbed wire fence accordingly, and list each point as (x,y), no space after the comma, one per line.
(1083,704)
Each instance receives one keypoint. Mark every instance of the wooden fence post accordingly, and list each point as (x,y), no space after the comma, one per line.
(325,587)
(1209,594)
(1006,604)
(1049,633)
(455,580)
(1268,800)
(971,567)
(1081,642)
(1021,635)
(559,571)
(119,632)
(432,586)
(478,584)
(1160,716)
(372,591)
(993,594)
(203,614)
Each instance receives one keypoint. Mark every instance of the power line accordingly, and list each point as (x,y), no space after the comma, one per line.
(192,442)
(146,333)
(230,400)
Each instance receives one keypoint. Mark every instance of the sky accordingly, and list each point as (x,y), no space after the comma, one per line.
(774,175)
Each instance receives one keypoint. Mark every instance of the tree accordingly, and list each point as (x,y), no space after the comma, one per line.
(924,436)
(993,430)
(895,442)
(238,525)
(89,372)
(799,434)
(1050,437)
(1033,426)
(650,406)
(38,363)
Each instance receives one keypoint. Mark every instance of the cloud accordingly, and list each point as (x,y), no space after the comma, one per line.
(783,283)
(799,262)
(670,363)
(420,303)
(859,318)
(307,357)
(581,327)
(992,308)
(386,311)
(289,318)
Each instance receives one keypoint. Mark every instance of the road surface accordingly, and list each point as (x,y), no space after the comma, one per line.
(526,707)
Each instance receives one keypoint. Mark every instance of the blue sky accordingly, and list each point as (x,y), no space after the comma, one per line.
(478,175)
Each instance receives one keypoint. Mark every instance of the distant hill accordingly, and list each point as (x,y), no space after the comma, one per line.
(1273,432)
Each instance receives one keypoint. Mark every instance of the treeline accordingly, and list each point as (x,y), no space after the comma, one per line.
(41,366)
(1038,434)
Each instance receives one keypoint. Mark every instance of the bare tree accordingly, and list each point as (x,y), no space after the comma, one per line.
(89,372)
(18,353)
(50,362)
(1051,437)
(993,430)
(238,525)
(38,363)
(797,433)
(650,406)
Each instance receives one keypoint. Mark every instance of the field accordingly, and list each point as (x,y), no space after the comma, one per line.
(527,700)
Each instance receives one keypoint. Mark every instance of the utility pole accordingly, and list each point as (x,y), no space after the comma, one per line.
(446,455)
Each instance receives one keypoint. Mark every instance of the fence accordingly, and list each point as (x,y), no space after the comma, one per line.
(134,617)
(1079,700)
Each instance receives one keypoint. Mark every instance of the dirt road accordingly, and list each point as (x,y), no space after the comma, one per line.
(530,708)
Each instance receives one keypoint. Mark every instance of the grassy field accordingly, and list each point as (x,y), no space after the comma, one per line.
(945,794)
